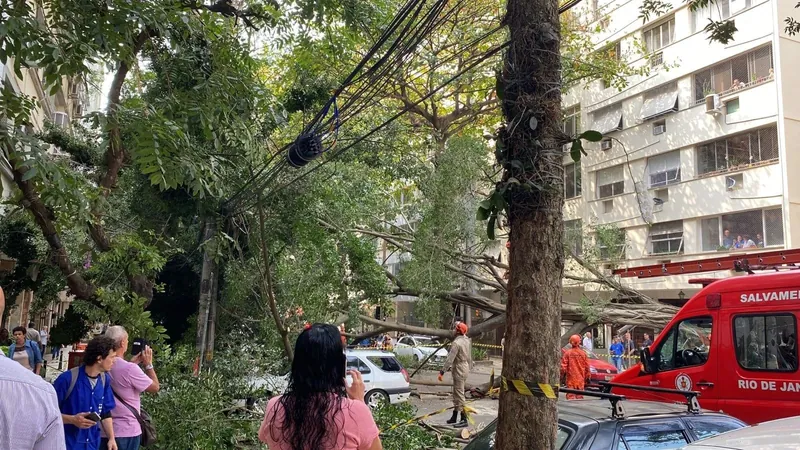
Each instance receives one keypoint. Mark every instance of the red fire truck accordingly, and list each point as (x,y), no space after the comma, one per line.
(734,342)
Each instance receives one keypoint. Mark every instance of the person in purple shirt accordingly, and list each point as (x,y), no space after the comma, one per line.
(128,381)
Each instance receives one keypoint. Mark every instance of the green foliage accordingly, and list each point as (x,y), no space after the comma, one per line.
(721,31)
(407,436)
(70,329)
(206,411)
(656,8)
(479,354)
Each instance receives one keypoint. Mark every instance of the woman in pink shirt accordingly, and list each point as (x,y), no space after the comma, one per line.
(318,410)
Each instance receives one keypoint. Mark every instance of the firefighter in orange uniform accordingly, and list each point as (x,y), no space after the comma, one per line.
(575,366)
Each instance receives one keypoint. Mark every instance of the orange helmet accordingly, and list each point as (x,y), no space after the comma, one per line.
(461,328)
(575,340)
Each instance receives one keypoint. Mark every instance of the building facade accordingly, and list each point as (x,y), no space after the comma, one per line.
(62,108)
(699,153)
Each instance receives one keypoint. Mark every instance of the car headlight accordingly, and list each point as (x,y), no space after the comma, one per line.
(592,370)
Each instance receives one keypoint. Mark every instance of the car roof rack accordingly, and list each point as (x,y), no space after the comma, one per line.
(617,410)
(692,404)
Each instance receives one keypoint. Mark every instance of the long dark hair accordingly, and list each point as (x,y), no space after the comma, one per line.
(315,392)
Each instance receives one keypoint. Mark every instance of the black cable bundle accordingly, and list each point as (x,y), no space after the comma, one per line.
(305,149)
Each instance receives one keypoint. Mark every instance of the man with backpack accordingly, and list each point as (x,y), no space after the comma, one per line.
(86,399)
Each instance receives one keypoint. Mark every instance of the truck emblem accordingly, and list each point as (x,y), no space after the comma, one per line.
(683,382)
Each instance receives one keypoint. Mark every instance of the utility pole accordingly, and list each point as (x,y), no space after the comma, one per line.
(530,88)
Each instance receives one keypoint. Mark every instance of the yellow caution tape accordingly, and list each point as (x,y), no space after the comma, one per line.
(607,355)
(530,388)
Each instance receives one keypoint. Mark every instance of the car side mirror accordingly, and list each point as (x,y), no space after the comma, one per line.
(647,360)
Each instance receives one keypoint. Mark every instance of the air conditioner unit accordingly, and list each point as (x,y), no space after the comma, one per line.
(713,104)
(61,119)
(659,129)
(605,145)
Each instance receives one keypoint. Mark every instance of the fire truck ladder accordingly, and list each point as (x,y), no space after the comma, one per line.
(739,263)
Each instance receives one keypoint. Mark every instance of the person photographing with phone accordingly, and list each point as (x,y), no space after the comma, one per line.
(128,381)
(319,411)
(85,397)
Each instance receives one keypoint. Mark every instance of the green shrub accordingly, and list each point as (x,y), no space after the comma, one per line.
(406,437)
(479,354)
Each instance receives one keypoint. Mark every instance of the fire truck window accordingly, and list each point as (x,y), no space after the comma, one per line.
(686,345)
(767,342)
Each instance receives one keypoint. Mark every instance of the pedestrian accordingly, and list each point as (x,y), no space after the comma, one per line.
(128,381)
(25,352)
(31,334)
(29,415)
(647,342)
(460,360)
(319,411)
(56,349)
(43,336)
(588,345)
(5,338)
(616,353)
(86,399)
(387,342)
(575,367)
(630,349)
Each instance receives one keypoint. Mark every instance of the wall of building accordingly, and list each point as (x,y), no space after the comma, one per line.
(764,101)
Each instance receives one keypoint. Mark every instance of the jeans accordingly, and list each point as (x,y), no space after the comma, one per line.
(617,362)
(123,443)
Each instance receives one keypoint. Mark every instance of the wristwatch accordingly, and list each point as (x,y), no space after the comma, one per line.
(148,367)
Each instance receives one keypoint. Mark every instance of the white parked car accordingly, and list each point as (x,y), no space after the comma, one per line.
(420,347)
(385,379)
(781,434)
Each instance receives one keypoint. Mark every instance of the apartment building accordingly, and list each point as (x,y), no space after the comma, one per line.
(697,153)
(61,108)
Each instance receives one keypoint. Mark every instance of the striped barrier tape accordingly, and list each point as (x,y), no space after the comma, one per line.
(426,345)
(607,355)
(530,388)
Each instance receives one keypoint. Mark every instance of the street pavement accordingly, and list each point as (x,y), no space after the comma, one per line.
(486,409)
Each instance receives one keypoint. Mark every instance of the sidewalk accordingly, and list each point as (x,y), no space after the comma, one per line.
(52,364)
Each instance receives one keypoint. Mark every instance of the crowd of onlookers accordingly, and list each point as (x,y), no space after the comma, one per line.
(741,241)
(90,407)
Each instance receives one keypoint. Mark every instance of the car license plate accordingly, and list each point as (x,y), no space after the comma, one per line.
(609,377)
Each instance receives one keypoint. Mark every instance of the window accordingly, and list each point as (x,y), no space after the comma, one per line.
(704,427)
(385,363)
(710,234)
(745,70)
(766,342)
(719,10)
(738,151)
(572,180)
(744,230)
(653,436)
(610,182)
(659,36)
(664,169)
(354,363)
(611,242)
(608,119)
(660,101)
(573,236)
(666,237)
(572,120)
(406,341)
(685,345)
(732,106)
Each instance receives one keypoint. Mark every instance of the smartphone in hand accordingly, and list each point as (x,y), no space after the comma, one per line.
(138,346)
(93,417)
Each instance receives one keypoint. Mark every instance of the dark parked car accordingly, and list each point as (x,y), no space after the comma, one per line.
(609,422)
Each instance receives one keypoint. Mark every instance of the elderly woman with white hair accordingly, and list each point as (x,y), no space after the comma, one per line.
(129,380)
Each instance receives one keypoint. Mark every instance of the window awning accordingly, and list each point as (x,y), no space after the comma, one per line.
(659,104)
(608,121)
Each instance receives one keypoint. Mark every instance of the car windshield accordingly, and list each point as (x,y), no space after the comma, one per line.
(486,438)
(426,341)
(591,354)
(385,363)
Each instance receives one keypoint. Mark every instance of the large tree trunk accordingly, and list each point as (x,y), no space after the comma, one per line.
(531,80)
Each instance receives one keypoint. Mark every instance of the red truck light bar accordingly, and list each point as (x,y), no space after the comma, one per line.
(740,263)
